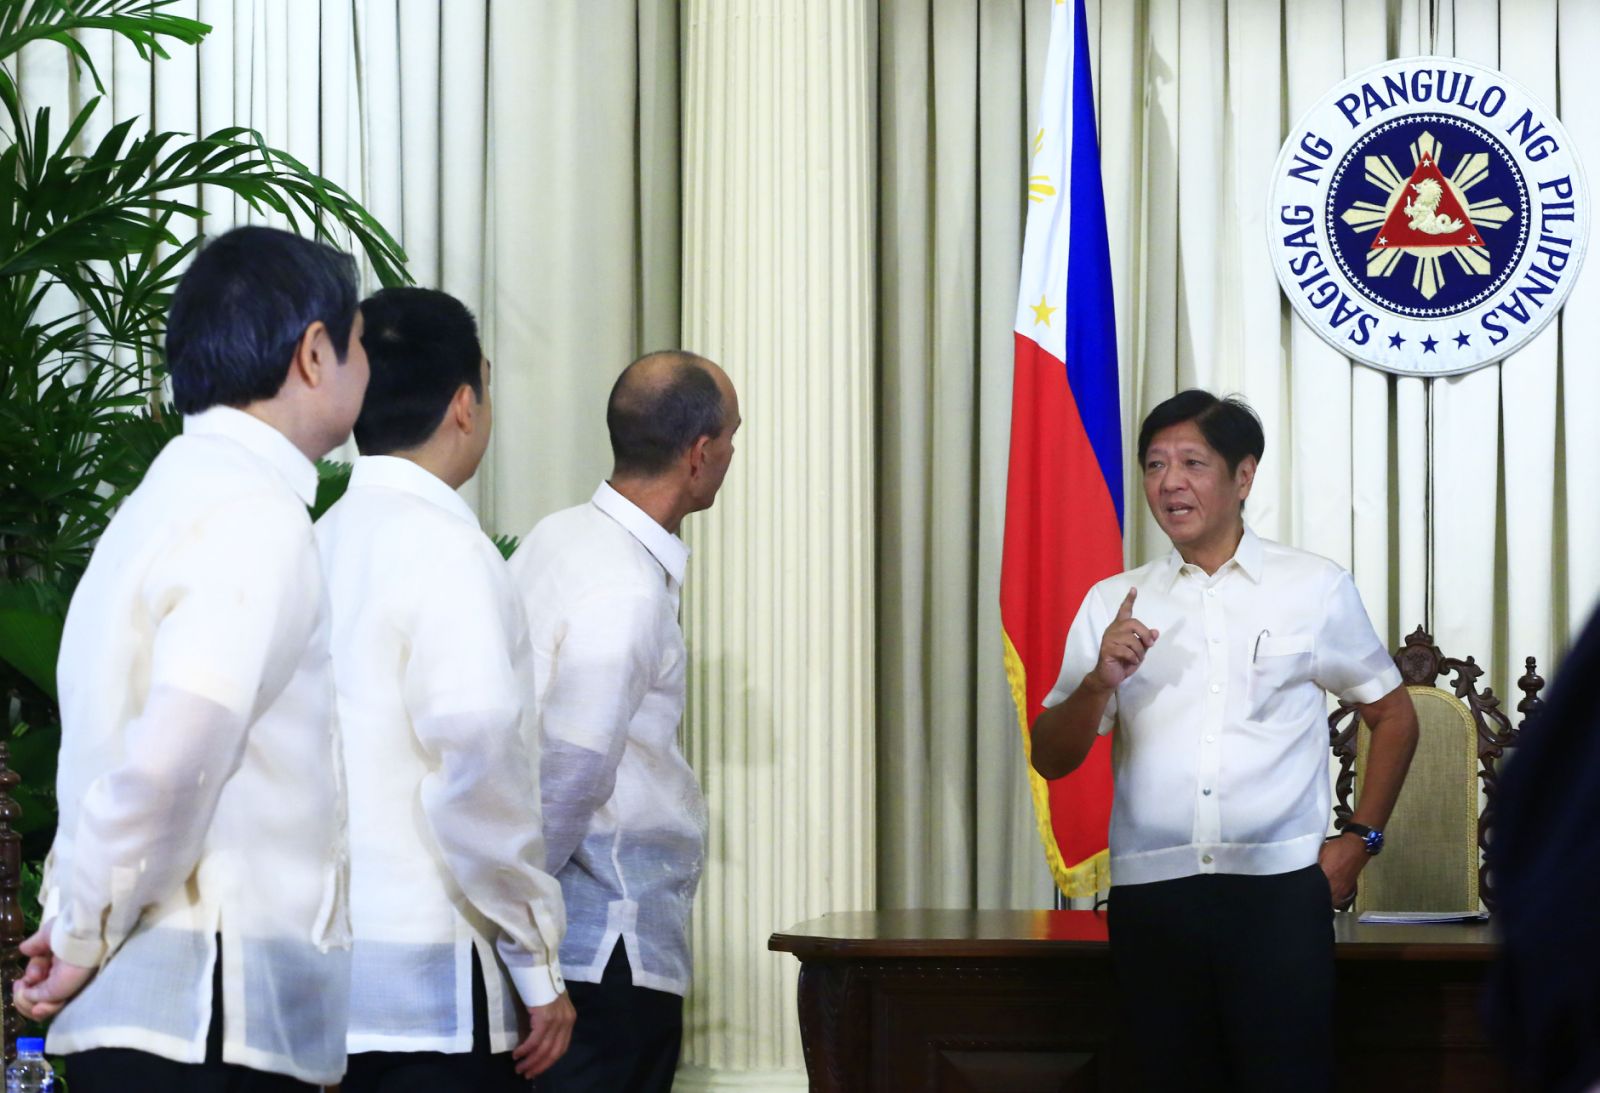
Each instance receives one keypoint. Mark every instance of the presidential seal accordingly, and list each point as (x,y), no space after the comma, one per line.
(1428,216)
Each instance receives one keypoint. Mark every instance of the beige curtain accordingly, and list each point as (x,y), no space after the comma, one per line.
(1464,504)
(525,154)
(956,85)
(583,246)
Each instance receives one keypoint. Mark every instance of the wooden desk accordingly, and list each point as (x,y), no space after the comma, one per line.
(1023,1002)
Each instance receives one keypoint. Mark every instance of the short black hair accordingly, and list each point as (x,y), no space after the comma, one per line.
(242,307)
(422,345)
(654,421)
(1228,424)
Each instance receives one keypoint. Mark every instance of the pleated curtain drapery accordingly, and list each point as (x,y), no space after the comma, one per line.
(528,156)
(957,85)
(1464,504)
(525,155)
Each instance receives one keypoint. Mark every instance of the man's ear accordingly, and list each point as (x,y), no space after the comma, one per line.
(464,409)
(1245,476)
(697,455)
(313,355)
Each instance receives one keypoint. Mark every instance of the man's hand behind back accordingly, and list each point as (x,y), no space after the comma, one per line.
(48,983)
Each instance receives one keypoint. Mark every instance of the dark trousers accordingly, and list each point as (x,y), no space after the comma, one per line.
(123,1070)
(1227,980)
(476,1071)
(626,1039)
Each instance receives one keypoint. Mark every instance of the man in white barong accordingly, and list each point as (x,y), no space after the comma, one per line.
(625,821)
(195,933)
(457,925)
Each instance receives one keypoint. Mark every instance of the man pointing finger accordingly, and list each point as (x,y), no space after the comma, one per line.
(1220,910)
(1123,648)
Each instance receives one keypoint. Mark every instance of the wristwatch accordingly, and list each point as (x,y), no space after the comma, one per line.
(1371,837)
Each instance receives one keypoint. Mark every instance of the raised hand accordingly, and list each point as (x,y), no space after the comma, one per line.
(1124,645)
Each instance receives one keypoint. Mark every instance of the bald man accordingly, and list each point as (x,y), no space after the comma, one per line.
(624,820)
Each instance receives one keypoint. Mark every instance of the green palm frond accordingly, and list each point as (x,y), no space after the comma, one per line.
(142,22)
(118,200)
(31,616)
(333,478)
(92,242)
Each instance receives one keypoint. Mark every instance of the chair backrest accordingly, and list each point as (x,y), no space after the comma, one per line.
(1433,855)
(1430,860)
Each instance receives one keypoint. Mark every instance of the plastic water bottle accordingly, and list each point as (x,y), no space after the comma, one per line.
(31,1072)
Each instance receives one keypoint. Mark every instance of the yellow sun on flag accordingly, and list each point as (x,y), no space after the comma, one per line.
(1039,186)
(1042,312)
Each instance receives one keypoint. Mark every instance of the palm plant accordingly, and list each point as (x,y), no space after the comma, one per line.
(92,240)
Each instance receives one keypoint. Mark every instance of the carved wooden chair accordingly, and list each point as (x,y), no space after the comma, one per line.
(1433,857)
(13,929)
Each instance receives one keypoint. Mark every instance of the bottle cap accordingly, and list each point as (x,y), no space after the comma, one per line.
(33,1044)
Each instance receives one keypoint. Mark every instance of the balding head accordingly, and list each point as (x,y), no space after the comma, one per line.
(660,406)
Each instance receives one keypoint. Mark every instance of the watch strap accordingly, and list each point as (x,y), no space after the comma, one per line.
(1371,837)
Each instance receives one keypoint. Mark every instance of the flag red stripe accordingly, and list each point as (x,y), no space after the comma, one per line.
(1061,536)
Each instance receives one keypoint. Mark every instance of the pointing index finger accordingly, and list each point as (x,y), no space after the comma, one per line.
(1126,610)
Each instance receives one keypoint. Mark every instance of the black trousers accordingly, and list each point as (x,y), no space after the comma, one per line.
(477,1071)
(1226,981)
(626,1039)
(123,1070)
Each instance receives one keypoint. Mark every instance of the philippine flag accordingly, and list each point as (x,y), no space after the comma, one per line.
(1063,529)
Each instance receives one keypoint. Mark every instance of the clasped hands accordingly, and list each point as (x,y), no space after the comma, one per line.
(48,982)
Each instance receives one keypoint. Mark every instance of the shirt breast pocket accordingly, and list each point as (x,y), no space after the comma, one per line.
(1278,666)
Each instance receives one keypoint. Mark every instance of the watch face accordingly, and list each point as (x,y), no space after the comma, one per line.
(1374,841)
(1428,216)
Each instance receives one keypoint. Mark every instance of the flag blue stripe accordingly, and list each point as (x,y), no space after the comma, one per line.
(1091,329)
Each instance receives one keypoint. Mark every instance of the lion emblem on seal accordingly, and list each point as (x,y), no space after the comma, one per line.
(1424,213)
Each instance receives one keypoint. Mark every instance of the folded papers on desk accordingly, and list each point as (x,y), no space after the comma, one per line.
(1420,918)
